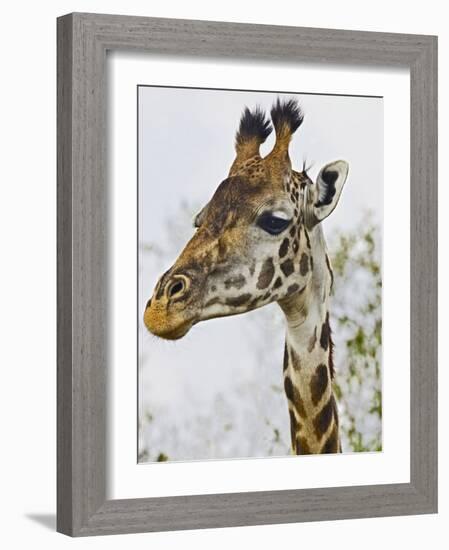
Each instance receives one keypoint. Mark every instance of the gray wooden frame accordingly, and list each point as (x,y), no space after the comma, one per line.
(83,40)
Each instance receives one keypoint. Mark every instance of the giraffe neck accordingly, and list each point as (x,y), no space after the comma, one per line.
(308,366)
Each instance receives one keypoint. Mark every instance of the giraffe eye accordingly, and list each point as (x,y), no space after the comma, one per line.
(272,224)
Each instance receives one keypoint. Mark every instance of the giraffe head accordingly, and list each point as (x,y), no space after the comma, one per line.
(251,246)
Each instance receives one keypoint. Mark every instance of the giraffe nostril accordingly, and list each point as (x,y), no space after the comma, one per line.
(176,288)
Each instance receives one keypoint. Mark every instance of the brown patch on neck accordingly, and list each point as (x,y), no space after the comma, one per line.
(294,397)
(326,343)
(293,428)
(332,444)
(302,446)
(319,383)
(312,341)
(285,364)
(331,273)
(325,333)
(331,355)
(323,419)
(295,360)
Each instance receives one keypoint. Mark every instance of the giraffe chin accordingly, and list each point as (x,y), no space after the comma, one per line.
(166,330)
(175,334)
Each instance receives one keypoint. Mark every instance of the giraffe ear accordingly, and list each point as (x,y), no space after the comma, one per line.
(329,184)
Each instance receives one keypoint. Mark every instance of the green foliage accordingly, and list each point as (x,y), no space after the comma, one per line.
(357,321)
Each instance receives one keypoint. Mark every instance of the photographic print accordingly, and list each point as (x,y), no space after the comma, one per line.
(259,273)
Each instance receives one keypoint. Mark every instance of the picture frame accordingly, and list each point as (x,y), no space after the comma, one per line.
(82,505)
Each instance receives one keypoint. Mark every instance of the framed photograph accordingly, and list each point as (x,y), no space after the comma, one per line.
(247,274)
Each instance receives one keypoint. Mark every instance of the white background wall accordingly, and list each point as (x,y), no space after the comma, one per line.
(27,218)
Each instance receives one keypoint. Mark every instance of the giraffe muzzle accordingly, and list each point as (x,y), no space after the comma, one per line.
(168,313)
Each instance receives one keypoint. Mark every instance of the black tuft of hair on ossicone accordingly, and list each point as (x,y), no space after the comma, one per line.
(253,125)
(286,115)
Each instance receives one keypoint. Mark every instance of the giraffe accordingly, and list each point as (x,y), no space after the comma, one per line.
(260,240)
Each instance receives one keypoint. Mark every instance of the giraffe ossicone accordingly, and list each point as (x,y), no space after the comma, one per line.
(259,240)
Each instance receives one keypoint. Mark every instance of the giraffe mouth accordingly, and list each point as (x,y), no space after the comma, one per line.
(168,327)
(174,334)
